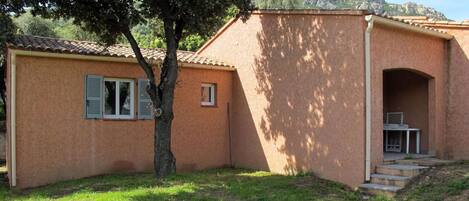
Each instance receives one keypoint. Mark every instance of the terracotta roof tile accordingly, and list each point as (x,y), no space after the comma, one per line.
(432,23)
(36,43)
(410,22)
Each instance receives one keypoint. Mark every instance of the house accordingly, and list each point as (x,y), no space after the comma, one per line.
(78,109)
(285,91)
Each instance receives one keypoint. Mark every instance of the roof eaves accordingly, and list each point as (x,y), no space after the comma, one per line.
(393,21)
(53,45)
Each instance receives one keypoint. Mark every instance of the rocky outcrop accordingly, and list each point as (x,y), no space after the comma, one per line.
(379,7)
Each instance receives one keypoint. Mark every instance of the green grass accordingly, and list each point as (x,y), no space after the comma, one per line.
(439,184)
(218,184)
(438,191)
(408,157)
(238,184)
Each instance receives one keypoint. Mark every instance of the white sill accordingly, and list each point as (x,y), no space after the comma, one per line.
(118,117)
(208,104)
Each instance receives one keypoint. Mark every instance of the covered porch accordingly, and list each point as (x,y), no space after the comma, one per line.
(405,114)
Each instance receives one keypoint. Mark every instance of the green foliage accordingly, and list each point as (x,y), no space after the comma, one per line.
(148,33)
(192,42)
(7,30)
(34,25)
(280,4)
(67,30)
(457,186)
(60,28)
(408,157)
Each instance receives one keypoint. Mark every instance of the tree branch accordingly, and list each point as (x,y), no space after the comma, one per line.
(152,89)
(178,31)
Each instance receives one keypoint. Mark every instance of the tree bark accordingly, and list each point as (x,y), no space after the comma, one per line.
(165,162)
(162,100)
(3,86)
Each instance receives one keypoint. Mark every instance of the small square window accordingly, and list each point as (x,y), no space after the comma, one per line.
(208,94)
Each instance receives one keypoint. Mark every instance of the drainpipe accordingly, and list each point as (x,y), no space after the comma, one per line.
(370,21)
(13,118)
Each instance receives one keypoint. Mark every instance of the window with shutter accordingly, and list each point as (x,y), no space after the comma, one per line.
(93,99)
(144,101)
(118,96)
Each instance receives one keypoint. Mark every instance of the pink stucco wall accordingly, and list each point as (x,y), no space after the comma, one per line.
(421,54)
(458,104)
(54,141)
(299,92)
(298,96)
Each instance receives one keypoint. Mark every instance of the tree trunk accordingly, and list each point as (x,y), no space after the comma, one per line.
(162,96)
(165,162)
(3,86)
(162,100)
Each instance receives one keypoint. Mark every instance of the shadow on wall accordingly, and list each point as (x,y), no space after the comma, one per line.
(314,112)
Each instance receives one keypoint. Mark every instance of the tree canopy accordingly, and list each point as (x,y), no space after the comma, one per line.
(33,25)
(7,30)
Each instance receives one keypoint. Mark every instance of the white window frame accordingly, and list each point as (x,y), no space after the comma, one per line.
(212,87)
(132,99)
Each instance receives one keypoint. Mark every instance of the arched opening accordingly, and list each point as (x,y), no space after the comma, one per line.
(406,101)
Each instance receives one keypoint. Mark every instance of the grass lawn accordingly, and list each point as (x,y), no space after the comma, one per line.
(218,184)
(448,183)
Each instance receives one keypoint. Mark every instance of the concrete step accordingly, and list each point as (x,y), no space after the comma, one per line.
(400,170)
(390,180)
(378,189)
(431,162)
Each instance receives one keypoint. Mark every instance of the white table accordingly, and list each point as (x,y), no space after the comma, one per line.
(408,132)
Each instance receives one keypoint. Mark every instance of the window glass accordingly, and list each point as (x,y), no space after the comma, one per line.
(205,94)
(118,98)
(124,92)
(208,94)
(109,97)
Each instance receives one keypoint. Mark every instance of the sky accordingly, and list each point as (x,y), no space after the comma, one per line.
(453,9)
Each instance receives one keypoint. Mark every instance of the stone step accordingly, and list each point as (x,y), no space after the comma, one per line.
(378,189)
(425,162)
(400,170)
(390,180)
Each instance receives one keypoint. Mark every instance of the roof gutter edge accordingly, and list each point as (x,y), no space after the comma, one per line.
(408,27)
(35,53)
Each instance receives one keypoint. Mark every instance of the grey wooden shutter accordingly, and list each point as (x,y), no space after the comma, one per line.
(144,101)
(94,97)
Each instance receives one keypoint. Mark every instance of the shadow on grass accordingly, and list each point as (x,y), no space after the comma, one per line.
(217,184)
